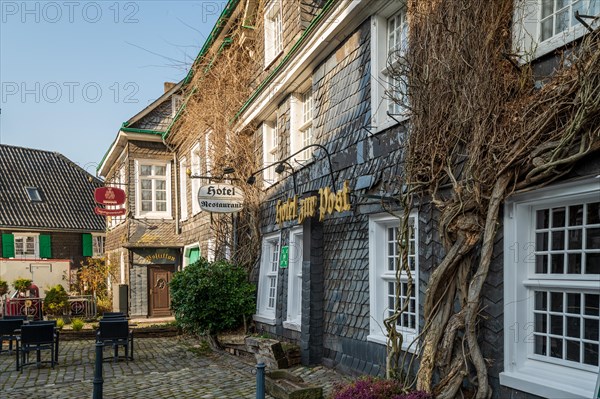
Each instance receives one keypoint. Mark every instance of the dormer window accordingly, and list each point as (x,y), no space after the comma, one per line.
(34,194)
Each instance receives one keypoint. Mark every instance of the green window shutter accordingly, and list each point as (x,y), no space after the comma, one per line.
(8,246)
(194,255)
(45,246)
(88,249)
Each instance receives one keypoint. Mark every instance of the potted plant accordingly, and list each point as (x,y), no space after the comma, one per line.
(3,287)
(22,285)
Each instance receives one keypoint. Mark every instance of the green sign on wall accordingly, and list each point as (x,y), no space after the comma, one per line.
(284,257)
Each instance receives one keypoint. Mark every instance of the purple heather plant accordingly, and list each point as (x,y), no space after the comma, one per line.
(377,388)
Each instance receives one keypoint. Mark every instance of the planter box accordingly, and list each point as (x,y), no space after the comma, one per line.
(282,384)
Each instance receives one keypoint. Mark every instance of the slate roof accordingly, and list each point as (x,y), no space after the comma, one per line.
(67,192)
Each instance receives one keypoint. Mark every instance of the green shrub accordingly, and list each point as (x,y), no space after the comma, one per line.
(56,300)
(77,324)
(3,287)
(21,284)
(103,305)
(211,297)
(60,323)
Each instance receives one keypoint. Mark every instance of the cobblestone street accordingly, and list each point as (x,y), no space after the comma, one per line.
(163,368)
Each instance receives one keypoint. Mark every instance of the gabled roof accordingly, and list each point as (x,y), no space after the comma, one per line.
(66,191)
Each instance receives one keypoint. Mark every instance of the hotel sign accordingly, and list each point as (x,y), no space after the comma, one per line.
(221,198)
(326,202)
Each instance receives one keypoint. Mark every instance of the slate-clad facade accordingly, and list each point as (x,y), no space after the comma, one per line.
(140,163)
(47,218)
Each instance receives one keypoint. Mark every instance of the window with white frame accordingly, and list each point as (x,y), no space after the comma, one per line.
(389,293)
(389,40)
(302,125)
(153,189)
(118,182)
(26,245)
(183,192)
(270,143)
(196,169)
(542,26)
(267,281)
(294,287)
(273,31)
(552,314)
(98,245)
(176,102)
(208,152)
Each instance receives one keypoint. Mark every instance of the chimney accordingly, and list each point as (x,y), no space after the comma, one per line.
(169,86)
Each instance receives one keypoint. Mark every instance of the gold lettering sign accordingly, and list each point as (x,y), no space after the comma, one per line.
(328,202)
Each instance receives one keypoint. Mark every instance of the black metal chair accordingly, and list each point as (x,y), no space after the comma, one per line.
(14,317)
(36,338)
(56,334)
(116,333)
(7,332)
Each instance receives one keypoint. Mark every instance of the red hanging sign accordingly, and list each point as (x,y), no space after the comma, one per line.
(109,196)
(110,212)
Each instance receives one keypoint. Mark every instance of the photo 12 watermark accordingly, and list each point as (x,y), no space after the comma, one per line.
(68,92)
(53,12)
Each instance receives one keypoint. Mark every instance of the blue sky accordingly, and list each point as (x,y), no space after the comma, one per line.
(72,71)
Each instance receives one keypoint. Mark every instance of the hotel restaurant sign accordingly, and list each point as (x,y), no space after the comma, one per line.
(326,202)
(221,198)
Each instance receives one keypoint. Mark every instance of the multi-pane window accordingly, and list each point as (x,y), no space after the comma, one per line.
(26,245)
(567,246)
(273,31)
(270,144)
(153,189)
(267,283)
(392,294)
(397,39)
(541,26)
(552,312)
(306,127)
(183,191)
(98,245)
(558,16)
(153,181)
(400,289)
(196,170)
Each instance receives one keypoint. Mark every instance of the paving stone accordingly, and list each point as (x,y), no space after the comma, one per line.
(163,368)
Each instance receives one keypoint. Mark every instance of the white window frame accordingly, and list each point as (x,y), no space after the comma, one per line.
(301,121)
(273,21)
(270,140)
(380,89)
(266,303)
(527,31)
(36,245)
(523,370)
(294,288)
(186,252)
(176,102)
(138,190)
(183,192)
(211,249)
(196,169)
(380,276)
(118,182)
(98,239)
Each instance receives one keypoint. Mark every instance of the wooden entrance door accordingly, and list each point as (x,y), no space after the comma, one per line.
(160,297)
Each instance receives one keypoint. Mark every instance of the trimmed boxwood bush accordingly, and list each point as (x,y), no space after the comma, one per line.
(211,297)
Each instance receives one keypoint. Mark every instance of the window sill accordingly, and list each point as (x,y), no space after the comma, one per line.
(292,325)
(264,319)
(390,123)
(539,380)
(271,62)
(406,342)
(160,216)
